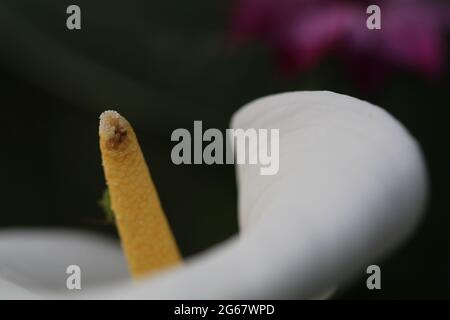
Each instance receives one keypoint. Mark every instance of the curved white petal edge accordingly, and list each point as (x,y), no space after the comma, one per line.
(33,262)
(351,186)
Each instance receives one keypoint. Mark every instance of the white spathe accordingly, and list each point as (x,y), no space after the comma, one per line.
(37,259)
(351,187)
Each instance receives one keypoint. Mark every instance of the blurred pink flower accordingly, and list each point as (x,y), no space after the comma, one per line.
(302,32)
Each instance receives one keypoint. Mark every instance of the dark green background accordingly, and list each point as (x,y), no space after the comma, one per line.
(164,64)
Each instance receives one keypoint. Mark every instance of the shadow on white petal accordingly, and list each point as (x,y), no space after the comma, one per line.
(37,259)
(11,291)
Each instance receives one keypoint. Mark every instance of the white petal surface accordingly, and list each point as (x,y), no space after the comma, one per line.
(37,260)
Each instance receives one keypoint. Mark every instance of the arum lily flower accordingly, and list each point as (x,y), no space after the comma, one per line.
(351,188)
